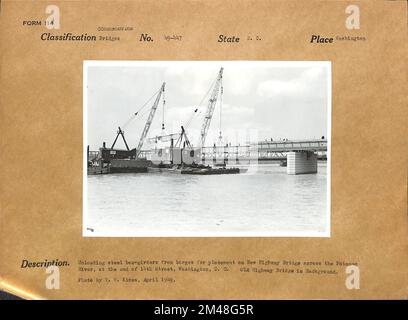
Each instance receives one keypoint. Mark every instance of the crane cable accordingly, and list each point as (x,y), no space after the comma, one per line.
(140,109)
(221,94)
(164,103)
(200,104)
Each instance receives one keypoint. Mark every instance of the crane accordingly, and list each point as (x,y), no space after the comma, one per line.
(149,120)
(210,107)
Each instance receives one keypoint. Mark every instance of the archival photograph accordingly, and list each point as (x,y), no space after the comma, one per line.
(206,148)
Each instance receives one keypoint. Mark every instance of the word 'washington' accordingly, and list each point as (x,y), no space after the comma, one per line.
(67,37)
(43,264)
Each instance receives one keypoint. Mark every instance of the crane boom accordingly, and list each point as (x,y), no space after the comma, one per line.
(210,108)
(149,120)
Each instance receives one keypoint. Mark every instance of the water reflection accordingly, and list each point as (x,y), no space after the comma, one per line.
(267,201)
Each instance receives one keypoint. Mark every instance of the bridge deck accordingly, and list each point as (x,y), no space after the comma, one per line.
(293,145)
(273,146)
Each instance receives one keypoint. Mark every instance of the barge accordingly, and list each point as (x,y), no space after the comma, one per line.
(210,171)
(109,160)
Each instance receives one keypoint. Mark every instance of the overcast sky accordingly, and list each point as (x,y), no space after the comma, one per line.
(262,99)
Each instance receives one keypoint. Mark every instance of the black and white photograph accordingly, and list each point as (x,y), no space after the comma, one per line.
(206,148)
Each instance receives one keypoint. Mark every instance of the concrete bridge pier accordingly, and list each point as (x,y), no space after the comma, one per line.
(301,162)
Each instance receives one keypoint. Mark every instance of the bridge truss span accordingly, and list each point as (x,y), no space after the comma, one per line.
(291,145)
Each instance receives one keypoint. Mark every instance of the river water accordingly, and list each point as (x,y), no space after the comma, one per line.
(265,201)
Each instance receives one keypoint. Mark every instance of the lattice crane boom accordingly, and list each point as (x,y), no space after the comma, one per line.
(210,107)
(149,120)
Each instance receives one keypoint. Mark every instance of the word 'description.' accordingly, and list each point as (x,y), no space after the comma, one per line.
(43,264)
